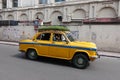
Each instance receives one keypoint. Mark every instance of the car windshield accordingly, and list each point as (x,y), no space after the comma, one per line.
(70,37)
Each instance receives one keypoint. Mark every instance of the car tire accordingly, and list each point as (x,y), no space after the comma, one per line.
(31,54)
(80,61)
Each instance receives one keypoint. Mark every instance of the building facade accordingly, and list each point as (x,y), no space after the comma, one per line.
(60,12)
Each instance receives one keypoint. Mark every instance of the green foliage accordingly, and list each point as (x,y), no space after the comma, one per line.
(59,28)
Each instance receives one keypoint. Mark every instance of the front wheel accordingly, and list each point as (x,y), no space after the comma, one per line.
(80,61)
(31,54)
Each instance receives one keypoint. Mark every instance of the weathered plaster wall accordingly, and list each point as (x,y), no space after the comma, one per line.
(106,37)
(16,33)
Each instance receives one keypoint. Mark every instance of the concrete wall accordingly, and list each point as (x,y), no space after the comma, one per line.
(106,37)
(16,33)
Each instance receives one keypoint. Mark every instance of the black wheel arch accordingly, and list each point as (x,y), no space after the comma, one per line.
(84,56)
(30,49)
(83,53)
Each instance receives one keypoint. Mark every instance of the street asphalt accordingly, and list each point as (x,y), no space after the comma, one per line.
(14,66)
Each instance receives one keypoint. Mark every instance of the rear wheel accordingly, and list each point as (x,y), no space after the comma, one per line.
(80,61)
(31,54)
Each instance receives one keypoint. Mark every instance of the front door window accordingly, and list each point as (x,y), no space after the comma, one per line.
(59,37)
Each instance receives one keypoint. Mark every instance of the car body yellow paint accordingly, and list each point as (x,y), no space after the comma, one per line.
(65,49)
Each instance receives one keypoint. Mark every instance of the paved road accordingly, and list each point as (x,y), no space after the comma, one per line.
(13,66)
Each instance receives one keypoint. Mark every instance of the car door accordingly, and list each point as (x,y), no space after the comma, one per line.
(59,48)
(42,42)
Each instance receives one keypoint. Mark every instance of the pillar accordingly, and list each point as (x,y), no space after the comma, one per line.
(9,3)
(0,4)
(119,9)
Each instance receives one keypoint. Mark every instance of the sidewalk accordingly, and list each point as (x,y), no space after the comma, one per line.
(9,43)
(101,53)
(109,54)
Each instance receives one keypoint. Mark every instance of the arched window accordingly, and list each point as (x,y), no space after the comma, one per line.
(107,12)
(39,15)
(10,17)
(79,14)
(56,18)
(24,17)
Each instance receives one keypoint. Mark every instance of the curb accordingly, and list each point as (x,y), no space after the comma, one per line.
(10,43)
(110,56)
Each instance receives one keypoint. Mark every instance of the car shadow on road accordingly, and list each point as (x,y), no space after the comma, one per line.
(46,60)
(19,56)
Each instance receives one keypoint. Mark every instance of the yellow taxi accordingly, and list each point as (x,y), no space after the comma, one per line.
(57,42)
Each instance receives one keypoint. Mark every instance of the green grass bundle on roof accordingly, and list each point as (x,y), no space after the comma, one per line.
(60,28)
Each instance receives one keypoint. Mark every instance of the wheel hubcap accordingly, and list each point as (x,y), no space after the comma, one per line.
(32,55)
(80,61)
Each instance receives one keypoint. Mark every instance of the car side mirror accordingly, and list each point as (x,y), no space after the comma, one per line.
(67,42)
(34,40)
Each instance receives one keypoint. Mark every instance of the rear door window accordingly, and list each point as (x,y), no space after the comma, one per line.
(44,36)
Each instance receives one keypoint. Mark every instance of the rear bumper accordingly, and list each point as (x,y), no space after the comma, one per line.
(22,51)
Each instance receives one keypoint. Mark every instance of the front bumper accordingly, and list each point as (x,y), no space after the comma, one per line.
(92,58)
(95,57)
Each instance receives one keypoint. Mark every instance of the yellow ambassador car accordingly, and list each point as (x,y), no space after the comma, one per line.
(57,42)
